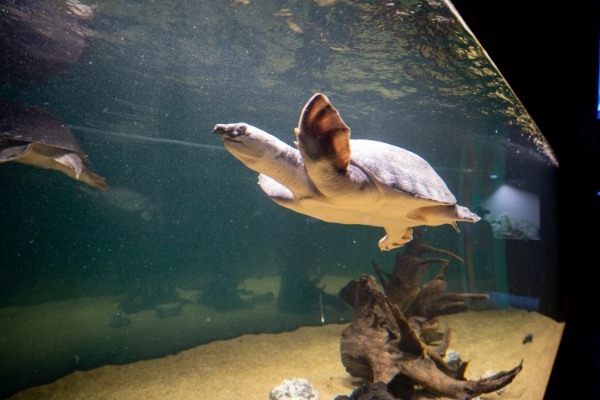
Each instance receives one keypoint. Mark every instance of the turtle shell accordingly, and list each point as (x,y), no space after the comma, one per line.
(330,156)
(20,122)
(394,168)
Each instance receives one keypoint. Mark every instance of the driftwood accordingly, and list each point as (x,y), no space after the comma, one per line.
(403,286)
(381,345)
(369,391)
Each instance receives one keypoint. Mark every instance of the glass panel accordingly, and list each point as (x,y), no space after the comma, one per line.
(184,249)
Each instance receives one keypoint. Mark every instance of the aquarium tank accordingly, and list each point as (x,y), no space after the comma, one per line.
(260,199)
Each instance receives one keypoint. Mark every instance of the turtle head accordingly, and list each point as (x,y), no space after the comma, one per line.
(237,139)
(242,139)
(252,146)
(231,131)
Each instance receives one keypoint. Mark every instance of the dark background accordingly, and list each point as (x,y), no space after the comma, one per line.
(548,53)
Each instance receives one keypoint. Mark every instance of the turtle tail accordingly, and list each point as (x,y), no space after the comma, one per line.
(466,215)
(463,214)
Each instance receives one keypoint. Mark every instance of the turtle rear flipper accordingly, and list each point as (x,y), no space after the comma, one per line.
(395,236)
(99,182)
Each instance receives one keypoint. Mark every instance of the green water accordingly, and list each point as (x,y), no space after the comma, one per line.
(142,99)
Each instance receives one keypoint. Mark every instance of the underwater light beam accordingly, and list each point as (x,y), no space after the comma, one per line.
(145,138)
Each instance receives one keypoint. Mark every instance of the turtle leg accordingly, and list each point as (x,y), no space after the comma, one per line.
(395,237)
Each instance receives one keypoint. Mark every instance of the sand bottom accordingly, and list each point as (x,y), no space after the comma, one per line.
(248,366)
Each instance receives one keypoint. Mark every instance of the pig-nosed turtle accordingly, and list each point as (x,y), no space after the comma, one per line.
(345,181)
(33,136)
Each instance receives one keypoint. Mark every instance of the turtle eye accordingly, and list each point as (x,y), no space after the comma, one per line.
(241,129)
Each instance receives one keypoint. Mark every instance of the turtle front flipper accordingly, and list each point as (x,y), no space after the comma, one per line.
(280,194)
(10,151)
(395,237)
(275,190)
(322,134)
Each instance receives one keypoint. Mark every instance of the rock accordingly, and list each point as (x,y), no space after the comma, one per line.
(119,320)
(263,298)
(294,389)
(452,358)
(168,310)
(147,295)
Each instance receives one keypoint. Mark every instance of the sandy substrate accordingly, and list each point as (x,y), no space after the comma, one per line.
(249,366)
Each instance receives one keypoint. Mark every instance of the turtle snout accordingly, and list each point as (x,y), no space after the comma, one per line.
(230,131)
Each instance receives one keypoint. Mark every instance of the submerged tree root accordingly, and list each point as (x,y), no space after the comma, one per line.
(384,348)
